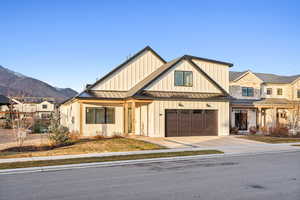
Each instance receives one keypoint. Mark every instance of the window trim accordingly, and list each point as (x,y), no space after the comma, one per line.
(247,91)
(105,115)
(184,78)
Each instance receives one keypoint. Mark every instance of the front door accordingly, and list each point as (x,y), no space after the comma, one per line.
(241,120)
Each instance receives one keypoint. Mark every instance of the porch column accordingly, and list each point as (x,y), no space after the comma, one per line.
(133,106)
(259,118)
(81,119)
(126,118)
(275,123)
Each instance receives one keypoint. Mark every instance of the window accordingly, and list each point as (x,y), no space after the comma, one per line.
(100,115)
(247,92)
(298,94)
(269,91)
(279,91)
(44,106)
(45,116)
(183,78)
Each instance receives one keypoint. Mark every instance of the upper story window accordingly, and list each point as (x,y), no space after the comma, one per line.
(247,91)
(44,106)
(279,91)
(183,78)
(298,94)
(269,91)
(99,115)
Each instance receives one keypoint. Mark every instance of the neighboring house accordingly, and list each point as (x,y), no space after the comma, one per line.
(4,106)
(38,107)
(4,103)
(146,95)
(262,100)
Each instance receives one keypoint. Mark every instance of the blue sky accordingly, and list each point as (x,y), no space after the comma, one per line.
(69,43)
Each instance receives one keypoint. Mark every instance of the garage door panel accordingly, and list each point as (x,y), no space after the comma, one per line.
(171,123)
(184,123)
(191,123)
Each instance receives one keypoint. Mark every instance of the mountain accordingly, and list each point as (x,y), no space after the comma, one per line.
(16,84)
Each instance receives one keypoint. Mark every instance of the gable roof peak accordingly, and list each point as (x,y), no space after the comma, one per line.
(208,60)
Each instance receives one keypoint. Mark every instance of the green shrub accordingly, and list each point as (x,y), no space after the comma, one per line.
(59,136)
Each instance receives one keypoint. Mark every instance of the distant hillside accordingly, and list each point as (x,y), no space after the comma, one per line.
(16,84)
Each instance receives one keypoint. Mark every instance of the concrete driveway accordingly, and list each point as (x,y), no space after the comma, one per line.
(200,141)
(227,144)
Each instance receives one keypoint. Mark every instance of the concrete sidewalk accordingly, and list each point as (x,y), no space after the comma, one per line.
(235,149)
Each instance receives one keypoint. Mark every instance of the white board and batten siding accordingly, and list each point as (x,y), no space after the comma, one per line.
(106,130)
(152,122)
(218,72)
(131,73)
(70,115)
(166,81)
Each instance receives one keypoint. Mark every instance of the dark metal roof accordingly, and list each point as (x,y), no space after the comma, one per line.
(273,101)
(100,94)
(4,100)
(243,102)
(180,95)
(266,78)
(210,60)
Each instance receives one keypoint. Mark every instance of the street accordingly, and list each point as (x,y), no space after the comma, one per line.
(268,176)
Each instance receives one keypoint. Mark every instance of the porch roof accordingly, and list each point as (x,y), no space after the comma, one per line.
(273,101)
(4,100)
(181,95)
(99,94)
(243,102)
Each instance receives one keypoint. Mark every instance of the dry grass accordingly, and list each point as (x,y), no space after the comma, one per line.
(88,146)
(104,159)
(271,140)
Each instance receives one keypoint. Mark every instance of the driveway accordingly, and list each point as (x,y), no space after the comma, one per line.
(228,144)
(200,141)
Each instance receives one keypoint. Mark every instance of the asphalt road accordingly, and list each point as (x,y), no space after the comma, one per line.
(270,176)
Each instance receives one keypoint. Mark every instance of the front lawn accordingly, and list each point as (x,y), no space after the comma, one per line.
(269,139)
(83,146)
(104,159)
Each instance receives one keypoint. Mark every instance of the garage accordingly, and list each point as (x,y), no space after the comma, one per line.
(182,123)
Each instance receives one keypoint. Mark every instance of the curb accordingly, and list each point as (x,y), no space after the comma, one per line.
(131,162)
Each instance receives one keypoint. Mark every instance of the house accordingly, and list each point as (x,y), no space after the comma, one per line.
(38,107)
(148,96)
(262,100)
(4,103)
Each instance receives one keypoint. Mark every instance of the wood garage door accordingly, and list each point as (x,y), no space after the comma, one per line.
(191,123)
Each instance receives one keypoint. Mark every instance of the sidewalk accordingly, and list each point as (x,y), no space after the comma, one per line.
(238,149)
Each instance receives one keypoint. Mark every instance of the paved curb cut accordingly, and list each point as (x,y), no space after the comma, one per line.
(130,162)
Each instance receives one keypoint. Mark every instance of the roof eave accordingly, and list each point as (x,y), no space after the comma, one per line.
(210,60)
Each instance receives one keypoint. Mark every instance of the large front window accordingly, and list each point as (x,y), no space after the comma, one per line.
(183,78)
(247,92)
(99,115)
